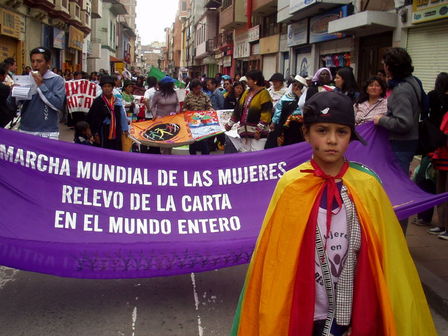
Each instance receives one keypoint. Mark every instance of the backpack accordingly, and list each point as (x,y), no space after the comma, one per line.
(430,137)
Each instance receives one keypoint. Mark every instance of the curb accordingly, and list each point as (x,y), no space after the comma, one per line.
(436,290)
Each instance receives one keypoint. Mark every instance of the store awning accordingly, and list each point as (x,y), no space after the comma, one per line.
(364,23)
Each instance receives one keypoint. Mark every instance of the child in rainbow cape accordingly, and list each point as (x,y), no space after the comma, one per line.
(331,258)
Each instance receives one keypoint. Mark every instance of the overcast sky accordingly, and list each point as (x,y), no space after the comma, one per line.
(153,16)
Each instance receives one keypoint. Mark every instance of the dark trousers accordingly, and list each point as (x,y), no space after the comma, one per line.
(201,146)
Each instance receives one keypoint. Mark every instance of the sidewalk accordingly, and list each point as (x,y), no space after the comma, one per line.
(430,255)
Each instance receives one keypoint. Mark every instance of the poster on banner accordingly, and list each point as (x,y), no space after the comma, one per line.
(110,214)
(203,124)
(224,117)
(80,95)
(169,131)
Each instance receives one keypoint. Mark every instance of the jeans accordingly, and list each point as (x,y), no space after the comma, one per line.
(404,151)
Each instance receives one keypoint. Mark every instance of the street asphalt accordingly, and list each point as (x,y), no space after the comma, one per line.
(199,304)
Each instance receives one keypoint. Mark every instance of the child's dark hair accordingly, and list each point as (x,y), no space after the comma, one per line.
(81,127)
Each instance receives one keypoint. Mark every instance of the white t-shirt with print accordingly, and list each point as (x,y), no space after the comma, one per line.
(336,251)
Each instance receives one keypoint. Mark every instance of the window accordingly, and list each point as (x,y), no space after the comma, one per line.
(65,4)
(226,3)
(184,5)
(269,26)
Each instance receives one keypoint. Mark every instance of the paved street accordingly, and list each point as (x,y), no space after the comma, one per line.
(193,304)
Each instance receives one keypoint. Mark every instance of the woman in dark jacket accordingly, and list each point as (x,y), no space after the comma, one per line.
(106,116)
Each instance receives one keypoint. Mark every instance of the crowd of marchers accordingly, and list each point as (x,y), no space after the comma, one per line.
(267,112)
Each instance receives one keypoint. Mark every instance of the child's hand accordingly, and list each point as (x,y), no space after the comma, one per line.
(376,119)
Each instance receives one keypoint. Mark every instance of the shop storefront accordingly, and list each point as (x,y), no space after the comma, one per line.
(11,37)
(54,40)
(303,60)
(269,48)
(427,41)
(227,65)
(297,40)
(371,51)
(73,54)
(333,50)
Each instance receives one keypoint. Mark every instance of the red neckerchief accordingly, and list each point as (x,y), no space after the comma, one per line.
(113,120)
(332,191)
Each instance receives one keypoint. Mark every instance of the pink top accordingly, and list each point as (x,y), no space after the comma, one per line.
(365,112)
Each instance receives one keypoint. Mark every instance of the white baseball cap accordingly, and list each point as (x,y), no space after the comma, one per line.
(300,79)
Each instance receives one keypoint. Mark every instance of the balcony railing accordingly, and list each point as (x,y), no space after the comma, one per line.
(223,39)
(210,47)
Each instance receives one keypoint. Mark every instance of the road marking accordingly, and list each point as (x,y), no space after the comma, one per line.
(134,318)
(196,304)
(6,275)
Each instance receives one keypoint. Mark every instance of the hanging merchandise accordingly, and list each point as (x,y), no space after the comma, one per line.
(337,60)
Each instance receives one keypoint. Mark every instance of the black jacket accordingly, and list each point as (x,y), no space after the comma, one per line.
(6,114)
(98,113)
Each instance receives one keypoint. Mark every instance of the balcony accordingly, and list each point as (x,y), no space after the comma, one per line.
(118,8)
(86,5)
(223,41)
(264,7)
(232,15)
(210,47)
(61,9)
(75,13)
(45,5)
(86,22)
(97,9)
(301,10)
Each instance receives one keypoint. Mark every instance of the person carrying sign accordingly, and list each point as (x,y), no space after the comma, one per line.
(331,258)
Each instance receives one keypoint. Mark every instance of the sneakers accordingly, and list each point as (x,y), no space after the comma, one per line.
(436,230)
(443,235)
(420,222)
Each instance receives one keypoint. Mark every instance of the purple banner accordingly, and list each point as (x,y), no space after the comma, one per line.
(84,212)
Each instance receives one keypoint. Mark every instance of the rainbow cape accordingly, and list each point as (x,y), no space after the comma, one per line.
(279,290)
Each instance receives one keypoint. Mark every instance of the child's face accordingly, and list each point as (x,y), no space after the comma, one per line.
(329,142)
